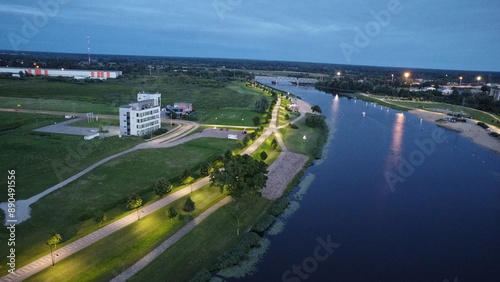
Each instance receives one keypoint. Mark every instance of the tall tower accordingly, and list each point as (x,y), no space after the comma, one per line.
(88,48)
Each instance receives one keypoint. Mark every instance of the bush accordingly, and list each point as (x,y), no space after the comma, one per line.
(483,125)
(202,276)
(494,134)
(263,155)
(287,117)
(160,131)
(316,121)
(293,126)
(278,206)
(264,223)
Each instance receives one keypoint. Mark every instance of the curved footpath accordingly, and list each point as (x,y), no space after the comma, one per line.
(273,190)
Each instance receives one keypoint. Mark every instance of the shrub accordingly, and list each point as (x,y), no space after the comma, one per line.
(293,126)
(263,155)
(287,117)
(238,252)
(494,134)
(202,276)
(316,121)
(160,131)
(483,125)
(264,223)
(278,206)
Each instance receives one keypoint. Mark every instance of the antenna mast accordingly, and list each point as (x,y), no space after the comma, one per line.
(88,48)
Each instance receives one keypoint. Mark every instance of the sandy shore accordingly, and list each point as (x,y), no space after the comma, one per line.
(470,129)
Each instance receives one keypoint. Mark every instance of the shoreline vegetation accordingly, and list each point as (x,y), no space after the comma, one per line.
(470,129)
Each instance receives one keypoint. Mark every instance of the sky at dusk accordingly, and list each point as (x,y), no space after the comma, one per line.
(445,34)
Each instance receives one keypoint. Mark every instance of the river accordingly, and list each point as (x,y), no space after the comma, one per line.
(395,199)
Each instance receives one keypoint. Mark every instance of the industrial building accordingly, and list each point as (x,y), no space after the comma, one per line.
(142,117)
(77,74)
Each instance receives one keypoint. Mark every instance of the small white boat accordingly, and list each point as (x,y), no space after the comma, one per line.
(363,113)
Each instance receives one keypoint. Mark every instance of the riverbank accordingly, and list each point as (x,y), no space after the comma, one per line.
(469,129)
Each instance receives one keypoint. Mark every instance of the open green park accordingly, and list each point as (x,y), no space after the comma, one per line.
(38,158)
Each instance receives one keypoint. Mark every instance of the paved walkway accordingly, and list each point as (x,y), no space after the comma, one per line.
(138,266)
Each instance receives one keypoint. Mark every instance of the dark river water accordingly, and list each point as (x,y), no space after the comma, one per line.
(395,199)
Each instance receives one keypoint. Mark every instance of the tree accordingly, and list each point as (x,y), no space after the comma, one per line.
(237,213)
(53,240)
(134,202)
(189,205)
(315,121)
(241,175)
(316,109)
(162,187)
(172,213)
(100,217)
(205,169)
(263,155)
(262,104)
(256,121)
(287,116)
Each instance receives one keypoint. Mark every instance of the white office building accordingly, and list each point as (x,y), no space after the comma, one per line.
(142,117)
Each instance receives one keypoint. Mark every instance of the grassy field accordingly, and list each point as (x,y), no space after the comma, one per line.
(115,253)
(283,111)
(199,248)
(229,116)
(96,124)
(106,188)
(203,93)
(70,106)
(294,139)
(42,160)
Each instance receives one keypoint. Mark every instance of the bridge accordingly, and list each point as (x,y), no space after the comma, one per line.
(293,80)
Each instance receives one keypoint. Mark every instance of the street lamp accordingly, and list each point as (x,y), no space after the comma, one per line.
(407,74)
(461,80)
(392,75)
(479,79)
(339,73)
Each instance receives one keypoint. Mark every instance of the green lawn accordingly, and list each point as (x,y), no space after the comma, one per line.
(284,111)
(105,188)
(115,253)
(272,154)
(96,124)
(200,248)
(57,105)
(294,139)
(42,160)
(229,116)
(105,97)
